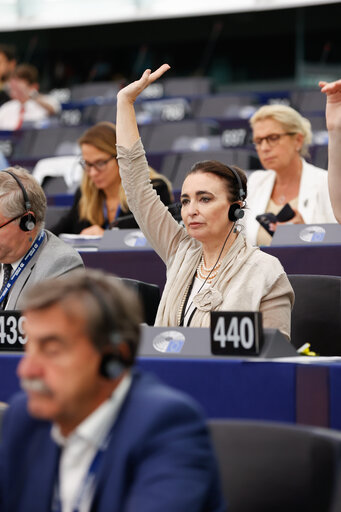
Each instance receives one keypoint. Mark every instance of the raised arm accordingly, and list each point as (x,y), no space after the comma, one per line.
(333,118)
(153,218)
(127,131)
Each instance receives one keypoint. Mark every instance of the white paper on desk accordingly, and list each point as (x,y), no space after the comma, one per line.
(82,243)
(308,359)
(69,237)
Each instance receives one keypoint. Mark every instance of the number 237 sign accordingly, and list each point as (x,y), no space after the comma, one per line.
(236,333)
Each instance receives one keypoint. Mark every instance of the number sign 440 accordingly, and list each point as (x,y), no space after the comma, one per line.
(236,333)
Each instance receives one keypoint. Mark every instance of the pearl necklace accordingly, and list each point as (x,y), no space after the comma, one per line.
(211,273)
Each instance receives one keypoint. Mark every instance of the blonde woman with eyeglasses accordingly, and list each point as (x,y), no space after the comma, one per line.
(101,200)
(281,137)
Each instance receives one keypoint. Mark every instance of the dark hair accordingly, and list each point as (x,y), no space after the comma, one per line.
(224,172)
(26,72)
(9,51)
(102,300)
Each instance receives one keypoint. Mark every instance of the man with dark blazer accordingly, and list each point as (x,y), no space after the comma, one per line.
(28,253)
(93,434)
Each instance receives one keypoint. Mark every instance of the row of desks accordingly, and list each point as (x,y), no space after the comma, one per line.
(147,266)
(290,391)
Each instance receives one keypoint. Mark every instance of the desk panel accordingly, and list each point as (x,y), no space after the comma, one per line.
(141,265)
(335,395)
(310,259)
(147,266)
(233,388)
(237,388)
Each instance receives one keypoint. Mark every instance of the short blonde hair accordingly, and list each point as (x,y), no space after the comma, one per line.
(289,118)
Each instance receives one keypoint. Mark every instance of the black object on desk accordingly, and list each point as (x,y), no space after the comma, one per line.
(265,219)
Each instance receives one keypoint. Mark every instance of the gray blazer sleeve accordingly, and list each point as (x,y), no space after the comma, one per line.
(53,259)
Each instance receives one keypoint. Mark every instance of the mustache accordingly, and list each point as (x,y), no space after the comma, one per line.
(36,385)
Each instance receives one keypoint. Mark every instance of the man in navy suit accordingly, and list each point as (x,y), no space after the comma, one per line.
(91,433)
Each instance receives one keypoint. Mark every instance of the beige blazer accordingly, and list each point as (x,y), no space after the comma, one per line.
(248,279)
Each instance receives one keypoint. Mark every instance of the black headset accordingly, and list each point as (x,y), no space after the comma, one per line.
(28,220)
(112,363)
(236,211)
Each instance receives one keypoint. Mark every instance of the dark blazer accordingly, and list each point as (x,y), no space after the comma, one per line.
(71,223)
(159,457)
(54,258)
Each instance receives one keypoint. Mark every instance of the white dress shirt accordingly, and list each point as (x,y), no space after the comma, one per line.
(10,112)
(80,447)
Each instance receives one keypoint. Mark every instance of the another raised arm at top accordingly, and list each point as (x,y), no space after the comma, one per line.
(126,127)
(333,108)
(333,120)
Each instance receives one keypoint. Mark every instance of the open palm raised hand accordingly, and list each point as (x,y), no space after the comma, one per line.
(133,90)
(333,108)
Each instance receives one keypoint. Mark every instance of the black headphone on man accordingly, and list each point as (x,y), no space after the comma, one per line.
(236,211)
(112,363)
(28,220)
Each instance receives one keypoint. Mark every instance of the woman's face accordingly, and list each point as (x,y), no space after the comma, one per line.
(205,207)
(276,154)
(100,166)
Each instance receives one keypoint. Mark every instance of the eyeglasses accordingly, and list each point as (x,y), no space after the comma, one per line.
(99,165)
(271,139)
(11,220)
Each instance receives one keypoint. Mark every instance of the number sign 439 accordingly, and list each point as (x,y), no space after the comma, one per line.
(12,336)
(236,333)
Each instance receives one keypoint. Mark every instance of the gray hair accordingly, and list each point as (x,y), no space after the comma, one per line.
(12,201)
(289,118)
(102,300)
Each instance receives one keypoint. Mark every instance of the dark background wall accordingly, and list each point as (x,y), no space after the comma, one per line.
(234,48)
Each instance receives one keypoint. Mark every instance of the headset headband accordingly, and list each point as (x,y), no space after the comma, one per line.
(24,193)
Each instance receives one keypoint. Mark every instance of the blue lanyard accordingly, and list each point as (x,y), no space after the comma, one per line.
(105,214)
(25,260)
(88,484)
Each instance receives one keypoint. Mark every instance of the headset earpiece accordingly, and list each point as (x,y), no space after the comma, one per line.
(235,212)
(113,363)
(27,221)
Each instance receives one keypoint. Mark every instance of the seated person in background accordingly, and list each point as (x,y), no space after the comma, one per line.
(7,65)
(120,440)
(210,266)
(28,253)
(333,118)
(27,105)
(281,136)
(101,199)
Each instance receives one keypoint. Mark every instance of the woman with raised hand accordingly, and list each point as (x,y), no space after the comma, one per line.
(281,137)
(210,266)
(333,118)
